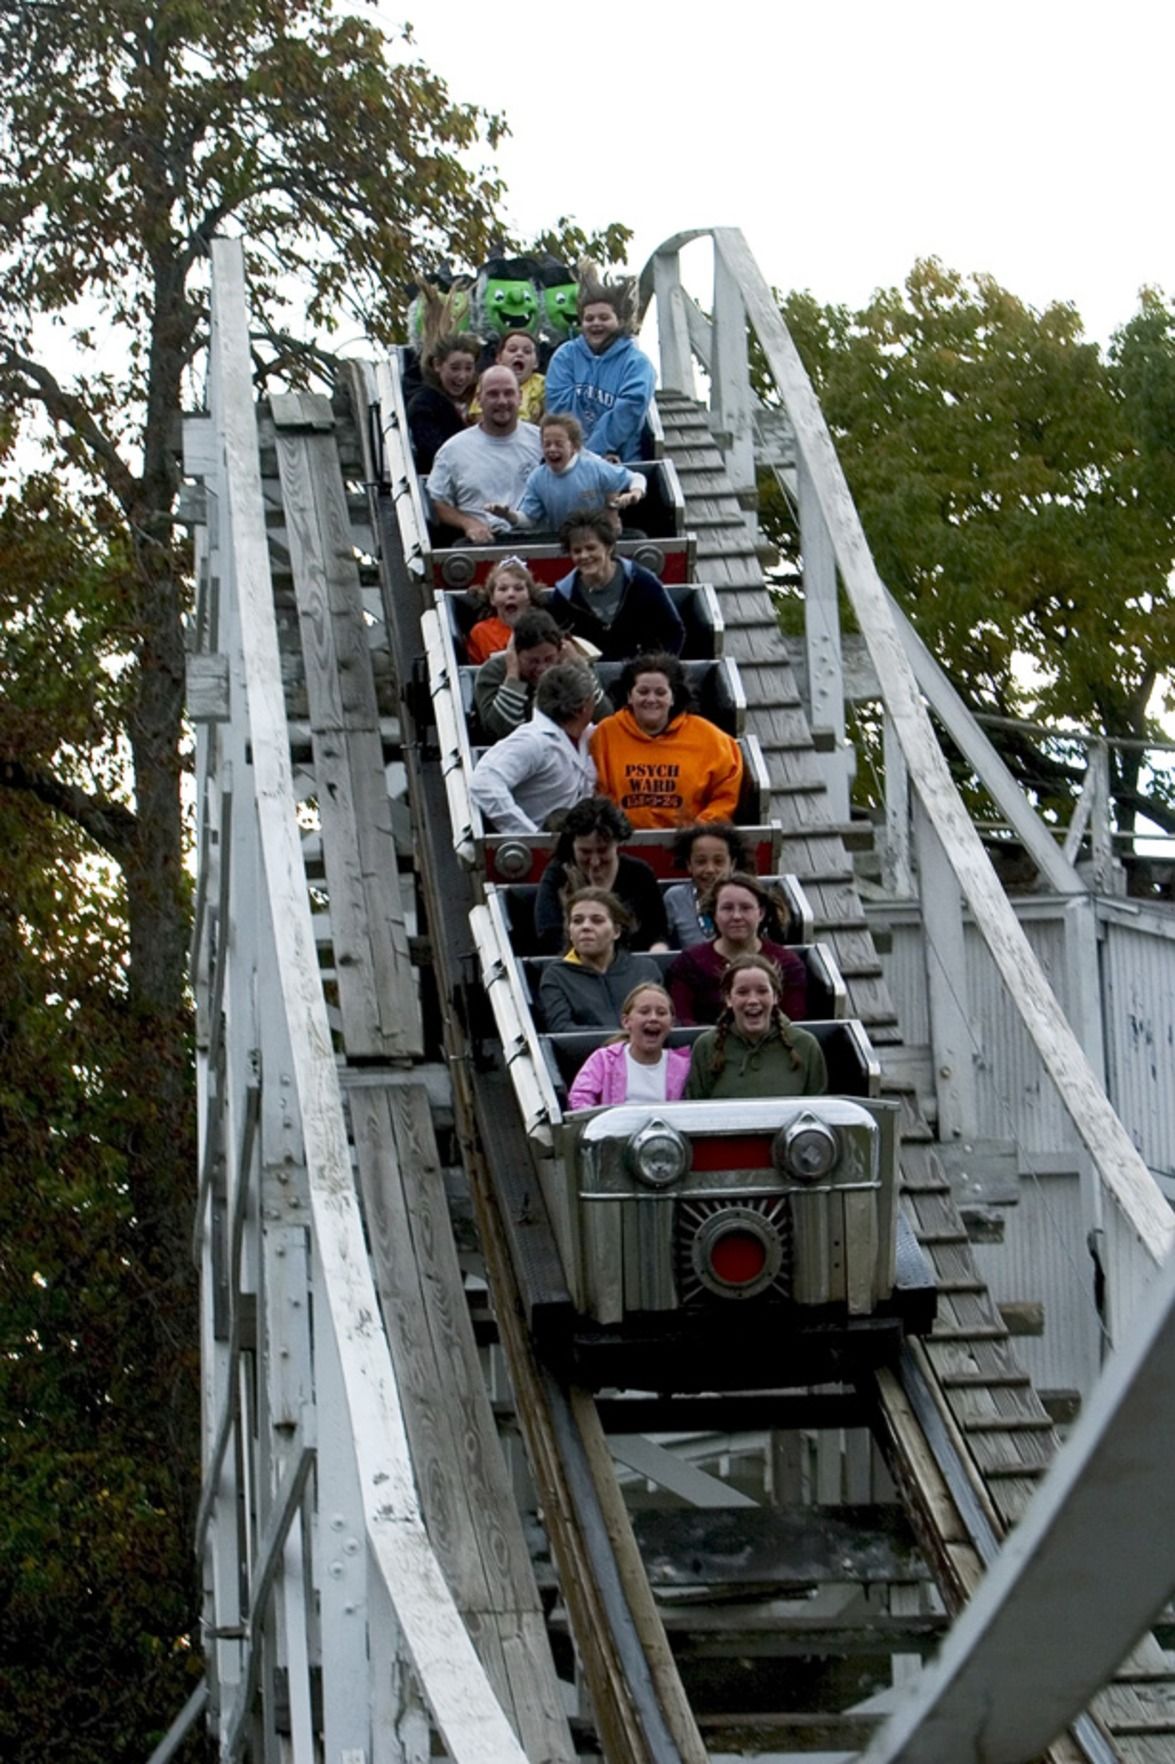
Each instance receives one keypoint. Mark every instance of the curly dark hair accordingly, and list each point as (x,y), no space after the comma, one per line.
(736,845)
(660,663)
(595,814)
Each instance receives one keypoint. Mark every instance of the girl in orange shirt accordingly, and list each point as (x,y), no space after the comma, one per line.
(507,591)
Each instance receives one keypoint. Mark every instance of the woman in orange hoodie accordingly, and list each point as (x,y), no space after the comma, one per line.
(659,762)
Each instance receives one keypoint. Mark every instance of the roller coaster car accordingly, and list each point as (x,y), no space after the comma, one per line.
(667,550)
(696,603)
(509,857)
(714,1245)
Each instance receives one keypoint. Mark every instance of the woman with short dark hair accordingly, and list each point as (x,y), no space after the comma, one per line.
(660,762)
(588,855)
(617,605)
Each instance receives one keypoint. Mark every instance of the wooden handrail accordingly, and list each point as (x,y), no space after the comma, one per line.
(467,1714)
(1121,1169)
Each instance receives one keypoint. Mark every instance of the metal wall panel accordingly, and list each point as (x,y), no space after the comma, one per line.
(1043,1257)
(1138,993)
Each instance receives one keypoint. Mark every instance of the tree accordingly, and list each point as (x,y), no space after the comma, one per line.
(130,134)
(1016,487)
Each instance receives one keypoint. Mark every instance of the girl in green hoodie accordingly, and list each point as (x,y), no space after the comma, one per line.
(754,1050)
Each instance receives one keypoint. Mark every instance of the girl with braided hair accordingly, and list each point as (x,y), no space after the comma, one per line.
(754,1050)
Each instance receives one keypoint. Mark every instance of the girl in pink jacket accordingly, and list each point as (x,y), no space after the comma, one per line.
(638,1067)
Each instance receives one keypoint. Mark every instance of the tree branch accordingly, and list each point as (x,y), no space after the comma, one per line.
(107,823)
(67,408)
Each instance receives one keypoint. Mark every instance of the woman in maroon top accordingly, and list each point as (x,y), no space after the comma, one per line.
(739,905)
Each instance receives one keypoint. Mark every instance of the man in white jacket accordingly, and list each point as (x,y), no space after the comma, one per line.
(544,767)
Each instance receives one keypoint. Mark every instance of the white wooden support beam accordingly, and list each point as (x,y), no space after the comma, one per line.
(825,664)
(730,380)
(677,1474)
(1100,840)
(1144,1213)
(973,744)
(472,1724)
(946,983)
(701,332)
(896,871)
(1078,1581)
(677,368)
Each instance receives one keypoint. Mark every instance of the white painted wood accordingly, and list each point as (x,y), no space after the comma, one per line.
(1122,1170)
(896,868)
(730,382)
(678,1475)
(969,738)
(701,332)
(1079,1579)
(471,1722)
(207,693)
(825,668)
(951,1038)
(677,368)
(1101,844)
(341,1571)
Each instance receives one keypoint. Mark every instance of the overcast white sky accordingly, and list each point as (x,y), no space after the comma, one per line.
(1030,139)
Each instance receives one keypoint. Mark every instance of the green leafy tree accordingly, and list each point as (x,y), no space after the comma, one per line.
(130,134)
(1018,491)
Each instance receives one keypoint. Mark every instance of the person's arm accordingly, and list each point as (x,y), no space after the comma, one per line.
(531,510)
(587,1087)
(492,789)
(726,782)
(632,491)
(557,1012)
(630,407)
(428,431)
(502,701)
(657,613)
(472,525)
(819,1071)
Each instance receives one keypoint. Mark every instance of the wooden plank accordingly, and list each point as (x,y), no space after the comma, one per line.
(468,1503)
(471,1722)
(378,997)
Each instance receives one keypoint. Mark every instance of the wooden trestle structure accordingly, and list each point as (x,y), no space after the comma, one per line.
(388,1574)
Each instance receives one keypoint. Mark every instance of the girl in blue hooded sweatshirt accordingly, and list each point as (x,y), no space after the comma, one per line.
(601,377)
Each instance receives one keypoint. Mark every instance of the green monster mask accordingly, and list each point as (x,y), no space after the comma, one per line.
(559,293)
(505,298)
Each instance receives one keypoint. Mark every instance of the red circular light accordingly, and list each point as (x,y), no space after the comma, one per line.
(738,1257)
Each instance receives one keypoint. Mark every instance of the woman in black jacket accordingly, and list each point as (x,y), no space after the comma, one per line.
(588,855)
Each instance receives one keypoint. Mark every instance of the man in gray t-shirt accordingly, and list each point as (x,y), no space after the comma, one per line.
(487,466)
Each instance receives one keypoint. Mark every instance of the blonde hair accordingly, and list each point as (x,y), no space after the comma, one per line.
(630,1000)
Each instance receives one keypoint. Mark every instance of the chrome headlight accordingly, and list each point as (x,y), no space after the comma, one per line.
(658,1154)
(808,1149)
